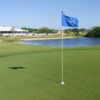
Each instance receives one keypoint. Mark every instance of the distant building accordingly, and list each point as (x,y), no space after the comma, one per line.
(40,34)
(9,31)
(61,32)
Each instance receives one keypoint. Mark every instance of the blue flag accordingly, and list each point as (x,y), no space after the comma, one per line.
(69,21)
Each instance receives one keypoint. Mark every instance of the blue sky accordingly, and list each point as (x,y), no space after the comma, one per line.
(41,13)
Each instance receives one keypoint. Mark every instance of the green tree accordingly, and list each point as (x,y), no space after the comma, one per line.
(30,30)
(94,32)
(43,30)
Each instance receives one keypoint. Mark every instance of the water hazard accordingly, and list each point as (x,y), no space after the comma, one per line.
(67,42)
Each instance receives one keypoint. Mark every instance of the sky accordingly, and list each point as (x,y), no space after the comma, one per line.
(47,13)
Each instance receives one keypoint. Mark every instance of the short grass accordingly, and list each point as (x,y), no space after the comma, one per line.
(40,75)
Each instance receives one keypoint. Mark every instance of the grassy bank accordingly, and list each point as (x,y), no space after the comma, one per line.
(39,73)
(16,38)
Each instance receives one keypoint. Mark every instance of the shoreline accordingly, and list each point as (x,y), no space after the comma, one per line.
(48,38)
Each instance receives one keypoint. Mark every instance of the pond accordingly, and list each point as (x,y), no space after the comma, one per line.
(67,42)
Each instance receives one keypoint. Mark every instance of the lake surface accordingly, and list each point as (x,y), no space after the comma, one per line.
(68,42)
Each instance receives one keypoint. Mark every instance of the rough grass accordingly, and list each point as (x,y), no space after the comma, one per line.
(37,73)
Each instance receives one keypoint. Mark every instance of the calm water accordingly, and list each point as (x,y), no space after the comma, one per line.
(69,42)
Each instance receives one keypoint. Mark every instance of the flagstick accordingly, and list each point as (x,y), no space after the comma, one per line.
(62,65)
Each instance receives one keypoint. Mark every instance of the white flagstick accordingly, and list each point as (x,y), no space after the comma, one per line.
(62,65)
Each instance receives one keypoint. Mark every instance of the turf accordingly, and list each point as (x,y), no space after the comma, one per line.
(34,73)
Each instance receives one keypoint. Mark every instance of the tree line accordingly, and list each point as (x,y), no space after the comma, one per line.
(48,30)
(93,32)
(40,30)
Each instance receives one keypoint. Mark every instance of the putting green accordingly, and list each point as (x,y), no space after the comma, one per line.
(34,73)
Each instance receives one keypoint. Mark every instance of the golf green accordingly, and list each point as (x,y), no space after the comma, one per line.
(34,73)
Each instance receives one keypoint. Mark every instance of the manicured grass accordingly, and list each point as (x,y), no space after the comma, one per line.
(39,73)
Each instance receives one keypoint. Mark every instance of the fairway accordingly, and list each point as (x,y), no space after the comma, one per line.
(34,73)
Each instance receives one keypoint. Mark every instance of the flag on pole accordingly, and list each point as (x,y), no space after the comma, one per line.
(69,21)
